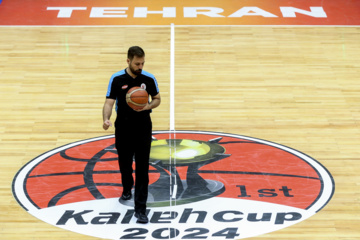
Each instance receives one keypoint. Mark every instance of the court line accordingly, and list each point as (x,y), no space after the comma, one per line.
(267,25)
(172,134)
(172,78)
(166,26)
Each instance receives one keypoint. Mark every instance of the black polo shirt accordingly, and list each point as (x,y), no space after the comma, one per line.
(119,85)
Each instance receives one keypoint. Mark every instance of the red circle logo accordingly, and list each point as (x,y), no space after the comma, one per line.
(211,185)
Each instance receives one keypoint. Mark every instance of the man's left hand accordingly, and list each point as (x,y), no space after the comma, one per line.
(146,107)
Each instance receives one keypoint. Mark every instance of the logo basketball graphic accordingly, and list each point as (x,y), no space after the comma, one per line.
(202,185)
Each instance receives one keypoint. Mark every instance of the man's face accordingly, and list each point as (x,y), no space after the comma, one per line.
(136,64)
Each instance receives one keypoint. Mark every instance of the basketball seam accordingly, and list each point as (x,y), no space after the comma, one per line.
(136,104)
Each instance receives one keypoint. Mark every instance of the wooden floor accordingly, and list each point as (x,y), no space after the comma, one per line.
(295,86)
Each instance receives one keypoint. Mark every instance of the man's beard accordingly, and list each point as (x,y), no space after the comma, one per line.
(135,72)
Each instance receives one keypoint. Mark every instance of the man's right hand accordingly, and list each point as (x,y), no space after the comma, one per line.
(107,124)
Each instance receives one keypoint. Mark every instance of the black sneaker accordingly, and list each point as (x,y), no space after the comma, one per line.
(126,196)
(142,218)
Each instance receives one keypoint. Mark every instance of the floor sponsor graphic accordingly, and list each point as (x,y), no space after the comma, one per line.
(180,12)
(203,185)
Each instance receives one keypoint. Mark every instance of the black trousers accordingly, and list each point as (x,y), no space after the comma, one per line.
(133,142)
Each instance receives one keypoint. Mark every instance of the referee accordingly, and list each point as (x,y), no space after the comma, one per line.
(133,128)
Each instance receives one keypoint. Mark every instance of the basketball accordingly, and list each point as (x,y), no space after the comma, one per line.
(137,98)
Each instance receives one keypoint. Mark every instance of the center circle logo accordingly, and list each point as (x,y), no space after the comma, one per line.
(203,185)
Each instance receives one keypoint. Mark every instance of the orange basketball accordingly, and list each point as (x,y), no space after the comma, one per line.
(137,98)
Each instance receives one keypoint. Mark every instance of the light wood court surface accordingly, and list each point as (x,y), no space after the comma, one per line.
(295,86)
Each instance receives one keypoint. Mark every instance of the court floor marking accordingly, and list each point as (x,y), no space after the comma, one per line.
(172,133)
(166,26)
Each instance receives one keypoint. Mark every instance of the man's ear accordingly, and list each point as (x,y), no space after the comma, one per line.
(128,61)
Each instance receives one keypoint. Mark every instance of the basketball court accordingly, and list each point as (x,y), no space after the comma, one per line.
(260,108)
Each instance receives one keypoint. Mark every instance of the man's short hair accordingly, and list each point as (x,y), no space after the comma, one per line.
(135,51)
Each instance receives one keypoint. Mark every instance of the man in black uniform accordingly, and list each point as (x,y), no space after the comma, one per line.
(133,128)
